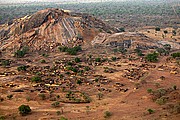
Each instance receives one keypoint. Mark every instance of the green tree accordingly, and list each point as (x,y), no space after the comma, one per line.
(24,110)
(174,55)
(107,114)
(152,57)
(36,79)
(5,63)
(21,53)
(158,29)
(77,60)
(150,111)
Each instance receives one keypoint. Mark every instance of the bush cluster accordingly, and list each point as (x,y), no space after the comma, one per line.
(174,55)
(24,110)
(21,53)
(70,51)
(152,57)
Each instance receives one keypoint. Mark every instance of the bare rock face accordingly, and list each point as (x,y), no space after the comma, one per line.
(47,29)
(131,40)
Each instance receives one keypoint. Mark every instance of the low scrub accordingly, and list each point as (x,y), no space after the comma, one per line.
(21,53)
(152,57)
(24,110)
(70,51)
(175,55)
(36,79)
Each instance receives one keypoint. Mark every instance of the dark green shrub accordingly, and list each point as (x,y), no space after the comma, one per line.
(63,118)
(5,63)
(21,53)
(74,50)
(98,59)
(77,60)
(167,47)
(113,58)
(107,114)
(158,29)
(2,117)
(61,75)
(86,68)
(150,111)
(86,97)
(79,82)
(10,96)
(152,57)
(24,109)
(100,96)
(162,100)
(36,79)
(58,113)
(71,51)
(43,61)
(45,55)
(139,52)
(22,68)
(58,96)
(42,96)
(62,48)
(122,50)
(174,55)
(55,104)
(72,69)
(149,90)
(115,50)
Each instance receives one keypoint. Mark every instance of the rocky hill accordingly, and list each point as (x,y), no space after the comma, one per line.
(47,29)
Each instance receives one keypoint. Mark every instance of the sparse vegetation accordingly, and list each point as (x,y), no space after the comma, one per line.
(149,90)
(98,59)
(162,100)
(158,29)
(36,79)
(152,57)
(139,52)
(113,58)
(10,96)
(100,96)
(79,82)
(42,96)
(24,110)
(63,118)
(73,77)
(150,111)
(43,61)
(2,117)
(77,60)
(175,55)
(70,51)
(58,113)
(21,53)
(55,104)
(107,114)
(5,63)
(22,68)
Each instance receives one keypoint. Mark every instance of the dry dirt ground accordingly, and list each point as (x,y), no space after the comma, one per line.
(125,99)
